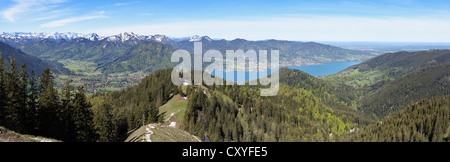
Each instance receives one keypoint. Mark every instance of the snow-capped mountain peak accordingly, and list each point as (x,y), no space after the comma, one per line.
(207,38)
(197,38)
(194,38)
(94,37)
(128,36)
(159,38)
(123,37)
(21,38)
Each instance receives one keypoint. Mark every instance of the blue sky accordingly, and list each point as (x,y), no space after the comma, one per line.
(315,20)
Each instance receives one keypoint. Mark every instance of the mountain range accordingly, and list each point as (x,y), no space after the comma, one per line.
(20,38)
(104,50)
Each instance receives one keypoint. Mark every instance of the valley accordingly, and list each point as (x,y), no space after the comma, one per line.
(85,74)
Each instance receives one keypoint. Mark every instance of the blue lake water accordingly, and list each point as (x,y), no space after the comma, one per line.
(314,70)
(325,69)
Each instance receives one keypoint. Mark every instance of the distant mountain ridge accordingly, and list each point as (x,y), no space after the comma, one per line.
(19,38)
(379,70)
(106,49)
(146,56)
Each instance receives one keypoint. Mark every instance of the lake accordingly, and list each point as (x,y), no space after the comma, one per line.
(326,68)
(314,70)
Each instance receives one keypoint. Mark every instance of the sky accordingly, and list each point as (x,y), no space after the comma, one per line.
(298,20)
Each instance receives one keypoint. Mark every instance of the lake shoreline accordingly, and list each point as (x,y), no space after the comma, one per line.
(314,70)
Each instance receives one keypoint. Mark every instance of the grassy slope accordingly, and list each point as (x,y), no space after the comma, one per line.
(163,133)
(11,136)
(137,135)
(169,134)
(177,105)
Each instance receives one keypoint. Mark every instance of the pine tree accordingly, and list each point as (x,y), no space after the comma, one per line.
(83,117)
(12,90)
(66,97)
(2,92)
(67,112)
(23,97)
(32,104)
(49,123)
(103,120)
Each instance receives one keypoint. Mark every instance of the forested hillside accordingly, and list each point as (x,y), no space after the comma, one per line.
(33,106)
(33,63)
(239,113)
(120,112)
(425,83)
(311,110)
(232,113)
(146,56)
(79,49)
(427,120)
(341,96)
(110,56)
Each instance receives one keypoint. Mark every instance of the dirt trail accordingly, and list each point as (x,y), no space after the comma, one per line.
(148,133)
(172,114)
(197,138)
(42,139)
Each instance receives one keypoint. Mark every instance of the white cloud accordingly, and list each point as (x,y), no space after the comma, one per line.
(46,18)
(125,3)
(305,28)
(23,7)
(63,22)
(146,14)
